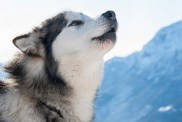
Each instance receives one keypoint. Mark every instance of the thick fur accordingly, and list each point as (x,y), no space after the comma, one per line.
(56,77)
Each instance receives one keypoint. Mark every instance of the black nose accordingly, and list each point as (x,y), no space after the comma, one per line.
(110,15)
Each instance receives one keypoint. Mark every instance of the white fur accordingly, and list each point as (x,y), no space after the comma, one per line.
(85,79)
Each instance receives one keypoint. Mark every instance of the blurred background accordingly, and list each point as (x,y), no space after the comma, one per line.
(143,73)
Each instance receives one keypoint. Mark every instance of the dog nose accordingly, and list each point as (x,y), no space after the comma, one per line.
(110,15)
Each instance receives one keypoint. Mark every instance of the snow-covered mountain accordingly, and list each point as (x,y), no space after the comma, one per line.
(145,86)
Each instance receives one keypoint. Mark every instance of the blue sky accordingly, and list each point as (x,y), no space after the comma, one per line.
(139,20)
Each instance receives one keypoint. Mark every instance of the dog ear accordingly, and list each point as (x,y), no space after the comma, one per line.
(29,44)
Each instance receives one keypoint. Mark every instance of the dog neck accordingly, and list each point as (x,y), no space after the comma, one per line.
(84,78)
(80,74)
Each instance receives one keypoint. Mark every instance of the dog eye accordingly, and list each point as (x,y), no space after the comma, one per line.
(76,23)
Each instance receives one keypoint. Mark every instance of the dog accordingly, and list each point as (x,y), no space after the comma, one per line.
(56,76)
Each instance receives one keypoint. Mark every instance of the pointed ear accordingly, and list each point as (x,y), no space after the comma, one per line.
(29,44)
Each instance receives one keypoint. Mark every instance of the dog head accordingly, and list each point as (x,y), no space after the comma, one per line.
(71,34)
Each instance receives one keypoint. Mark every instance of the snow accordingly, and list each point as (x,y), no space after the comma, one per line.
(165,108)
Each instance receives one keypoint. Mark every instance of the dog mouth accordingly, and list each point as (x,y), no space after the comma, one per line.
(108,35)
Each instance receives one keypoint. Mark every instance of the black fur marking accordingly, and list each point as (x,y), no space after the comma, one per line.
(3,87)
(52,28)
(15,69)
(2,84)
(50,114)
(52,32)
(51,108)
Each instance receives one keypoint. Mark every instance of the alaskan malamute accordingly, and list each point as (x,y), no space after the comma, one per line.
(56,77)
